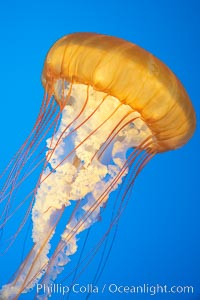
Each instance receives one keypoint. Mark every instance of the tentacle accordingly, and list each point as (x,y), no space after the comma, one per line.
(76,171)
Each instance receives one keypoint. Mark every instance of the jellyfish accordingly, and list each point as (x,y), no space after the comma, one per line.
(109,106)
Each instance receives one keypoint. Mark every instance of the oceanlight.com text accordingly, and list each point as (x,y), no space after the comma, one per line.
(150,289)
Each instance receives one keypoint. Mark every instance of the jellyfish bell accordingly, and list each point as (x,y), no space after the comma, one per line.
(113,96)
(129,73)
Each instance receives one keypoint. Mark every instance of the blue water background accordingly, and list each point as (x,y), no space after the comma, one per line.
(158,239)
